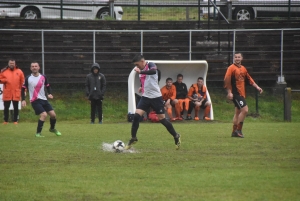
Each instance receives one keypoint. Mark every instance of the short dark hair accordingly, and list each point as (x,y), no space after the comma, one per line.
(239,53)
(179,75)
(169,79)
(200,78)
(137,58)
(34,62)
(11,59)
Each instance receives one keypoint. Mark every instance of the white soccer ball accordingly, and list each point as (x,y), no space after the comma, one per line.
(118,146)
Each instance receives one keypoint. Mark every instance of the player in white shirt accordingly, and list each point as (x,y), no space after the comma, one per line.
(35,85)
(151,97)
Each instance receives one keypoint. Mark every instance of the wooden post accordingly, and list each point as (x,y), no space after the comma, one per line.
(287,104)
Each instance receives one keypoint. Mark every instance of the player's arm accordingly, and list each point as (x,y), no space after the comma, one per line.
(23,94)
(103,85)
(227,83)
(48,88)
(251,82)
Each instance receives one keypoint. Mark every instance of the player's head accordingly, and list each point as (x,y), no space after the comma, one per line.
(200,81)
(34,67)
(95,68)
(169,82)
(139,61)
(179,78)
(11,63)
(238,57)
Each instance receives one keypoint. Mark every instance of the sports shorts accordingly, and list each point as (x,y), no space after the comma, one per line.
(41,106)
(239,101)
(202,105)
(156,104)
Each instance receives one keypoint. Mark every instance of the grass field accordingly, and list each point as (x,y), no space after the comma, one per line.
(210,165)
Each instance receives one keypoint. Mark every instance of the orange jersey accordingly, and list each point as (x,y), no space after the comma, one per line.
(194,89)
(12,84)
(168,93)
(236,78)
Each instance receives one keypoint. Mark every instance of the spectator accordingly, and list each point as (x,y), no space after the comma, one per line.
(181,96)
(197,95)
(36,84)
(14,79)
(169,97)
(95,87)
(235,79)
(151,97)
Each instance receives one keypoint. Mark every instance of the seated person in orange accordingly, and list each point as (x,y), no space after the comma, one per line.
(181,96)
(198,97)
(169,97)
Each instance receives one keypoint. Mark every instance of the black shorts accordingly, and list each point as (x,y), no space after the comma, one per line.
(239,101)
(202,105)
(156,104)
(41,106)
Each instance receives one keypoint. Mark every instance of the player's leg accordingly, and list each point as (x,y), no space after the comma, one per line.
(206,106)
(39,110)
(93,110)
(16,111)
(6,105)
(177,106)
(240,114)
(48,108)
(168,107)
(99,110)
(143,105)
(197,108)
(158,107)
(191,107)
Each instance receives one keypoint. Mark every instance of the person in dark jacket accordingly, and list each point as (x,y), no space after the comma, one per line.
(95,87)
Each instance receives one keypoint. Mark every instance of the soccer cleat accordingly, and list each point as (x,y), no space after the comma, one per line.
(55,131)
(16,123)
(130,143)
(179,118)
(177,141)
(188,118)
(237,133)
(196,118)
(206,118)
(4,123)
(92,122)
(100,122)
(39,135)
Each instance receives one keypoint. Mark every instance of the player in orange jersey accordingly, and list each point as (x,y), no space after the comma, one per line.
(169,96)
(198,98)
(236,78)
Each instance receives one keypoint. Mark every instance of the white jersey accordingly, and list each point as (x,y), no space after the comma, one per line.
(150,87)
(36,87)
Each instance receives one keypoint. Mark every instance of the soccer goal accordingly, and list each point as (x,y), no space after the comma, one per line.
(190,70)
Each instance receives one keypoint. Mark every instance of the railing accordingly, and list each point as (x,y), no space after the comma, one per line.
(231,50)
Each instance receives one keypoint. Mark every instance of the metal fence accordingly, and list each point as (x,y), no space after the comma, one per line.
(93,42)
(155,9)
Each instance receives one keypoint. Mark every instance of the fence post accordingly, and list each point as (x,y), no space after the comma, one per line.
(61,9)
(229,11)
(111,8)
(287,104)
(139,10)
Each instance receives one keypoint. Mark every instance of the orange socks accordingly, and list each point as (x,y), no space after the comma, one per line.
(169,110)
(240,126)
(206,111)
(177,110)
(234,127)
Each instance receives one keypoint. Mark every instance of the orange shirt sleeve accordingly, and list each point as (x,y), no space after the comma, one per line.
(204,91)
(227,78)
(191,91)
(173,92)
